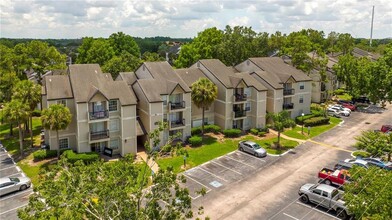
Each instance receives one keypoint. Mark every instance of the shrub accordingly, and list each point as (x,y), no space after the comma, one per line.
(316,121)
(318,113)
(36,113)
(265,129)
(254,131)
(196,131)
(85,157)
(316,107)
(195,141)
(232,132)
(44,154)
(207,128)
(339,92)
(361,154)
(299,119)
(262,133)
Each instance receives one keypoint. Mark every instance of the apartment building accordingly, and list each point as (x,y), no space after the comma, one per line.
(103,111)
(241,99)
(162,96)
(288,88)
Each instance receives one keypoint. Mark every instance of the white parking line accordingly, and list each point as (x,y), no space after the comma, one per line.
(29,191)
(290,216)
(251,156)
(212,174)
(240,162)
(325,213)
(8,167)
(226,167)
(13,209)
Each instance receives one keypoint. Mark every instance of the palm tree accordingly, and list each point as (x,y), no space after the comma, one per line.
(56,117)
(280,121)
(204,93)
(16,111)
(30,94)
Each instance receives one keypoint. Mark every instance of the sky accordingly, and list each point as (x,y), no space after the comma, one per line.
(58,19)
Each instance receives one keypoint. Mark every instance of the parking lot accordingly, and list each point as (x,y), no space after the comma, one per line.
(11,202)
(223,171)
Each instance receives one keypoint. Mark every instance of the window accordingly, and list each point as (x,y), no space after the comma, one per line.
(62,102)
(317,191)
(114,144)
(63,143)
(247,106)
(301,99)
(301,85)
(112,105)
(114,125)
(325,194)
(164,99)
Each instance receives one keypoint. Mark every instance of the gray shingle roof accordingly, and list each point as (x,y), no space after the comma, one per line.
(57,87)
(128,77)
(190,75)
(276,65)
(271,79)
(87,79)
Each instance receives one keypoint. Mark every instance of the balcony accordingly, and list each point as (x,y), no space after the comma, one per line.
(177,123)
(288,92)
(240,114)
(323,87)
(98,115)
(240,97)
(288,106)
(97,135)
(176,105)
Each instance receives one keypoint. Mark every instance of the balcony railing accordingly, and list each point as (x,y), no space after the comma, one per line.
(288,92)
(240,97)
(98,115)
(176,105)
(239,114)
(96,135)
(323,87)
(288,106)
(177,123)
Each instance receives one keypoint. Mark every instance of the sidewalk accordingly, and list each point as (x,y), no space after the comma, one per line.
(151,163)
(287,137)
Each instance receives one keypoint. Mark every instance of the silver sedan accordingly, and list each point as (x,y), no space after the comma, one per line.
(252,148)
(11,184)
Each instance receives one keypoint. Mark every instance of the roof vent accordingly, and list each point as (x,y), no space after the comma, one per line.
(96,71)
(50,80)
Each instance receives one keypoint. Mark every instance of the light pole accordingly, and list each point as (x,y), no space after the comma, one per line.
(302,119)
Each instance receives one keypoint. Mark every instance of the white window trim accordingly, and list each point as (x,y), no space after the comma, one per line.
(118,125)
(118,144)
(63,139)
(301,84)
(60,100)
(116,105)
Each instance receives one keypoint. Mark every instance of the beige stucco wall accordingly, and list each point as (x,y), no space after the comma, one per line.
(128,130)
(304,107)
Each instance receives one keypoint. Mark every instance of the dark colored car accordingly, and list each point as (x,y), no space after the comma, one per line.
(361,99)
(341,101)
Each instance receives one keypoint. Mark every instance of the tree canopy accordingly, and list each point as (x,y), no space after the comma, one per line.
(378,144)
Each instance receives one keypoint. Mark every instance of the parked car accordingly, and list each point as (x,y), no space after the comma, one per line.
(326,196)
(358,162)
(340,110)
(337,177)
(378,162)
(252,148)
(386,128)
(349,106)
(340,101)
(361,99)
(334,113)
(12,184)
(343,165)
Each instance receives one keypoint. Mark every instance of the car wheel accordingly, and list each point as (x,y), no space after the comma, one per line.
(241,149)
(304,199)
(256,155)
(341,214)
(22,187)
(328,182)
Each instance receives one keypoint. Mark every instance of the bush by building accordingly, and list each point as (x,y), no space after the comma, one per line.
(195,141)
(232,132)
(316,121)
(85,157)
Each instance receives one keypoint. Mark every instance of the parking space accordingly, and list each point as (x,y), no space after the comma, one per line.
(10,203)
(223,171)
(299,210)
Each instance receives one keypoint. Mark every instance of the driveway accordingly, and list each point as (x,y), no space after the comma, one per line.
(272,191)
(11,202)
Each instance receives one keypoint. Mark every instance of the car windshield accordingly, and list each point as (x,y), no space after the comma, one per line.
(256,146)
(14,179)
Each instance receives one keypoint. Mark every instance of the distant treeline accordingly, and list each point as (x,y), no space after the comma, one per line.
(147,44)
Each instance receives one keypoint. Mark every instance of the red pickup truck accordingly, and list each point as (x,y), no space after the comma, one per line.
(337,177)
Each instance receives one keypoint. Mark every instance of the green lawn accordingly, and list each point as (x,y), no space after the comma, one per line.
(345,96)
(314,131)
(212,149)
(12,143)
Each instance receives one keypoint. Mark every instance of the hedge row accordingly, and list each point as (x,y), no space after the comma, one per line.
(316,121)
(299,119)
(195,141)
(232,132)
(44,154)
(207,128)
(85,157)
(259,131)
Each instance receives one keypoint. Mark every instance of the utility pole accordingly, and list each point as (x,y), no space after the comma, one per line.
(371,28)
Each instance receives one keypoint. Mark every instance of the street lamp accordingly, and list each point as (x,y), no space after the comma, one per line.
(302,119)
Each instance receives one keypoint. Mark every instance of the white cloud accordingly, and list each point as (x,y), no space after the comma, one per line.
(185,18)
